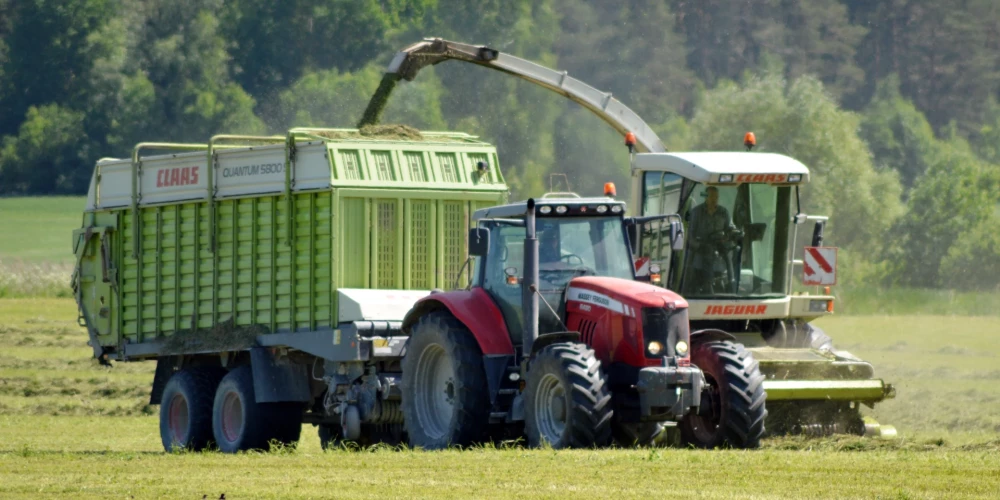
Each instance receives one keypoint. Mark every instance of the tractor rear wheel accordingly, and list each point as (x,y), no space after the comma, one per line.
(186,408)
(445,397)
(566,399)
(240,423)
(732,412)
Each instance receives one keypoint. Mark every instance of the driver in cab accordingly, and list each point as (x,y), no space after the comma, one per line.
(710,229)
(549,254)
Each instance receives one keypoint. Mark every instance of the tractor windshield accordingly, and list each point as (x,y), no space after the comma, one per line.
(578,246)
(568,247)
(736,237)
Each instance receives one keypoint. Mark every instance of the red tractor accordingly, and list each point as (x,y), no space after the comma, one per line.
(607,356)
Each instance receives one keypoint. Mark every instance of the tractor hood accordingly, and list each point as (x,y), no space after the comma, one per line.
(620,295)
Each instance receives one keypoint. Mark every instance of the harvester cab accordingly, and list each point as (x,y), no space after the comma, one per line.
(571,344)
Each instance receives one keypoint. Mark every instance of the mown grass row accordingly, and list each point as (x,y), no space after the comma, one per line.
(946,369)
(72,428)
(836,468)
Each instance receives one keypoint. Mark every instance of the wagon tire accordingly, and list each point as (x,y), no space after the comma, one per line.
(186,408)
(240,423)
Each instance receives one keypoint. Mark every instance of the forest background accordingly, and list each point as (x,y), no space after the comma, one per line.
(894,105)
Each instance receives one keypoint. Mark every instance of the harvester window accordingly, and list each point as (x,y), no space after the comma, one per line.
(661,193)
(731,241)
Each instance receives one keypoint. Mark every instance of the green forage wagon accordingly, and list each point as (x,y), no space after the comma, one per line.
(268,276)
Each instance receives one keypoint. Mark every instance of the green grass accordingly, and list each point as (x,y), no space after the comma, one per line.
(946,369)
(71,428)
(39,229)
(36,256)
(513,473)
(862,300)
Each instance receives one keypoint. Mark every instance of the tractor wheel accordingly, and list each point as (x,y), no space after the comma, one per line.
(445,397)
(566,399)
(241,423)
(732,412)
(795,334)
(186,408)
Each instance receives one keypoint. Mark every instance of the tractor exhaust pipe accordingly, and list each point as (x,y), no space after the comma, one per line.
(529,299)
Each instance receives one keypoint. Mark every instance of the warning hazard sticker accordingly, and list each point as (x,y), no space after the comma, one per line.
(819,266)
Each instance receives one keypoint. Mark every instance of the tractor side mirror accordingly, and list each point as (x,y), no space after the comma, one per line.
(479,241)
(817,240)
(676,235)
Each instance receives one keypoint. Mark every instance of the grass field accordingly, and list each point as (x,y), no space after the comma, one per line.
(71,428)
(39,229)
(36,258)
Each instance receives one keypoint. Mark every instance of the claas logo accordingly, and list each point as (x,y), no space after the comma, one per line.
(756,178)
(184,176)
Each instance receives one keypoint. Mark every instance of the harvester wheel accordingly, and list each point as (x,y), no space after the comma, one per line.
(566,399)
(186,408)
(732,412)
(445,397)
(795,334)
(240,423)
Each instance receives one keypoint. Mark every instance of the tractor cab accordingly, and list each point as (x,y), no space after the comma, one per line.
(575,237)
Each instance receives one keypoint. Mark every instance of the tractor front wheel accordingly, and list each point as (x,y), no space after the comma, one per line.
(445,397)
(732,411)
(566,399)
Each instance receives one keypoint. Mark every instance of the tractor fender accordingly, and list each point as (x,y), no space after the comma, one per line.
(476,310)
(546,339)
(710,335)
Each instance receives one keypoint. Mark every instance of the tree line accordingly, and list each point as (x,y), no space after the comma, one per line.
(894,105)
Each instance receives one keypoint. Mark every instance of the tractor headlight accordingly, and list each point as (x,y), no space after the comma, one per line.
(681,348)
(617,209)
(794,177)
(561,209)
(726,178)
(654,348)
(545,209)
(601,209)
